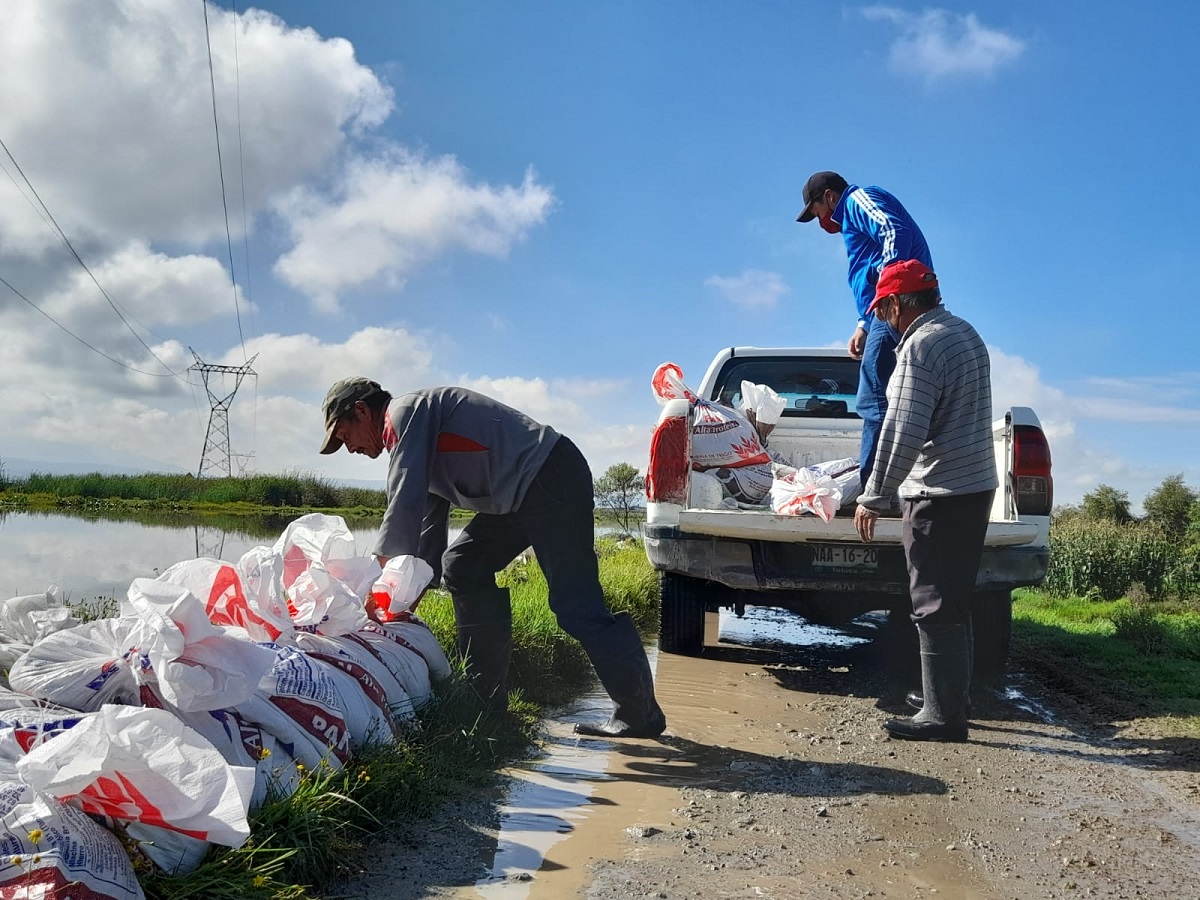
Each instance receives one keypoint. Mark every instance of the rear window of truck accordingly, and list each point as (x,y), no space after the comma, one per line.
(814,387)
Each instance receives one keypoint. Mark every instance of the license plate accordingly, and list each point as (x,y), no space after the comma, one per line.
(836,556)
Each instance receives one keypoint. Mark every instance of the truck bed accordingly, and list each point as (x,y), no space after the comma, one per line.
(752,524)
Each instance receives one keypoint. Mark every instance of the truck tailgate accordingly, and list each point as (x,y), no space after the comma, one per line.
(751,524)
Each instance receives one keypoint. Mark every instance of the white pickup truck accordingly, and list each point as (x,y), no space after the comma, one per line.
(738,557)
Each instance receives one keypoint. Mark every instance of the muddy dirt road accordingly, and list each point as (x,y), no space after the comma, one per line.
(775,780)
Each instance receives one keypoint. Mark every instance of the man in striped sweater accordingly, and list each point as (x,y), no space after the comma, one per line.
(935,451)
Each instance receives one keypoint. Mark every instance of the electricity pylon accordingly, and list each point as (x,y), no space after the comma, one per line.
(216,457)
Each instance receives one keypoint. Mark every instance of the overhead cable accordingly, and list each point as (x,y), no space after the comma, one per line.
(48,216)
(167,374)
(212,79)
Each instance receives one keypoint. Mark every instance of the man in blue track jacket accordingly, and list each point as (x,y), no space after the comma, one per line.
(877,230)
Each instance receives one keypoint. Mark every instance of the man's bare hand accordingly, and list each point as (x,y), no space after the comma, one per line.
(864,521)
(857,343)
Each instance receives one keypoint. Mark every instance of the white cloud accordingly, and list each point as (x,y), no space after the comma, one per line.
(390,214)
(1104,435)
(109,112)
(936,43)
(753,289)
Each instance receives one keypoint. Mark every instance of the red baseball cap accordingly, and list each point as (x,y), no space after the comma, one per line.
(905,276)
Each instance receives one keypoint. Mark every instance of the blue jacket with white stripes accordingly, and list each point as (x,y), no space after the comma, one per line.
(877,230)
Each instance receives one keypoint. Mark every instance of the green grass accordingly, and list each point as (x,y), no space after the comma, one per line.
(290,491)
(1131,658)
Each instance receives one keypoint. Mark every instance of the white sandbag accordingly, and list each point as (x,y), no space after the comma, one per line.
(261,572)
(364,663)
(399,586)
(368,718)
(23,729)
(244,743)
(762,407)
(144,765)
(704,490)
(417,635)
(297,702)
(724,438)
(26,620)
(195,664)
(745,484)
(218,585)
(721,437)
(315,537)
(405,663)
(845,472)
(358,573)
(804,490)
(10,699)
(323,604)
(170,851)
(85,667)
(75,857)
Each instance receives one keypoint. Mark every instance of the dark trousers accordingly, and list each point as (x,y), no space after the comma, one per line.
(943,543)
(556,519)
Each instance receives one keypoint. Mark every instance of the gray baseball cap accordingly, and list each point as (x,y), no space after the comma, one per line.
(339,401)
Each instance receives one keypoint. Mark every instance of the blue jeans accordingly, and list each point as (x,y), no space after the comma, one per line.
(878,363)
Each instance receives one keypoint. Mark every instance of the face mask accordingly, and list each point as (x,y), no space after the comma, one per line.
(828,223)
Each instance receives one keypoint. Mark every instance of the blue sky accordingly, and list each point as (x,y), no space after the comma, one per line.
(544,201)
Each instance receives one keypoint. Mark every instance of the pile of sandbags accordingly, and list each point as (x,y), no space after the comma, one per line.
(214,687)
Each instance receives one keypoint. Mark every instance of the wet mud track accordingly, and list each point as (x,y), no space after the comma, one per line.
(775,780)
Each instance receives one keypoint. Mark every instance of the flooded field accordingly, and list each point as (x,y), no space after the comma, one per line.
(94,556)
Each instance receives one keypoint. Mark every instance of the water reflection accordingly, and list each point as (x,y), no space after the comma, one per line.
(89,555)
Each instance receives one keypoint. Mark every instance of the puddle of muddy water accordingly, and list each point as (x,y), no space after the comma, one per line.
(765,627)
(550,795)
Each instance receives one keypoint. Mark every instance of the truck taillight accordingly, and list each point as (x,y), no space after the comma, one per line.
(1033,487)
(667,474)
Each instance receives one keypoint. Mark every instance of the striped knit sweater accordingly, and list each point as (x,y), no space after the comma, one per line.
(936,438)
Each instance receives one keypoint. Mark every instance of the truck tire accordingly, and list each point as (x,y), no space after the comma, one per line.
(992,628)
(681,624)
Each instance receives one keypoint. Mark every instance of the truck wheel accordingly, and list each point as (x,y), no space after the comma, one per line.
(681,625)
(992,628)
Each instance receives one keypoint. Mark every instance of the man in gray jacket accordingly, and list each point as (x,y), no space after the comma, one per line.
(935,450)
(528,486)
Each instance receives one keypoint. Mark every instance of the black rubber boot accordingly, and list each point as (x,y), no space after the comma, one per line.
(624,670)
(945,680)
(917,701)
(484,620)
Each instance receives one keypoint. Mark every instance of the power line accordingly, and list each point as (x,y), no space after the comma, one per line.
(49,216)
(212,79)
(167,374)
(237,74)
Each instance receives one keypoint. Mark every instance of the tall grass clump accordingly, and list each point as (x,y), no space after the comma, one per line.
(294,490)
(1100,559)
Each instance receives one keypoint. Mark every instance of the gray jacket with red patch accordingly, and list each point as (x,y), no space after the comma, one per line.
(450,446)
